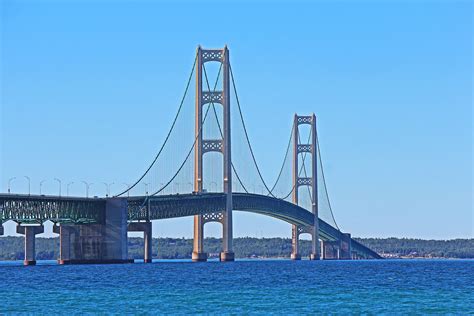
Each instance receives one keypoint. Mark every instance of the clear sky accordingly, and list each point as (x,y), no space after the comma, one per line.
(89,89)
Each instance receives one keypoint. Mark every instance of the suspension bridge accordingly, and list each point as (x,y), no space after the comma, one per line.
(203,168)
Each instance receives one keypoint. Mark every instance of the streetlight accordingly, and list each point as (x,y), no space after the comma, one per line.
(9,183)
(107,188)
(128,188)
(29,184)
(88,184)
(41,184)
(146,188)
(67,187)
(59,182)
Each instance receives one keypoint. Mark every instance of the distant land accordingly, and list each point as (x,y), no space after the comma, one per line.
(11,248)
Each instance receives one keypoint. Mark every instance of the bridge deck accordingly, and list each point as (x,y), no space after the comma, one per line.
(40,208)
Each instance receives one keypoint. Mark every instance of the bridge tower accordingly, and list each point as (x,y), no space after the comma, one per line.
(222,145)
(311,181)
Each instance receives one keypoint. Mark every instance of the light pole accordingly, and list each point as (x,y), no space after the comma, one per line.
(128,188)
(9,183)
(41,184)
(59,182)
(88,184)
(146,188)
(29,184)
(107,188)
(67,187)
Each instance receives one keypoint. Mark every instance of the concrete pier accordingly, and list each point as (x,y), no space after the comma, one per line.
(330,250)
(30,233)
(346,247)
(96,243)
(146,228)
(1,229)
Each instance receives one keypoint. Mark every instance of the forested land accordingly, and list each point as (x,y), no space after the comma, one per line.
(11,248)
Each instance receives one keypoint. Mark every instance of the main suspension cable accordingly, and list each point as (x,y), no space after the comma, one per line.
(169,132)
(284,159)
(195,139)
(247,136)
(324,181)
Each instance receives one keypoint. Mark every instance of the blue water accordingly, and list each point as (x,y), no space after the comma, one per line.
(260,287)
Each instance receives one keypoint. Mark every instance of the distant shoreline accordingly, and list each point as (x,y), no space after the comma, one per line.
(11,248)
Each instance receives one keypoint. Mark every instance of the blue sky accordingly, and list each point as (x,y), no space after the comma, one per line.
(89,89)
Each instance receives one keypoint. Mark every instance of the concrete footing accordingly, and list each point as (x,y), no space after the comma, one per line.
(199,256)
(295,256)
(30,233)
(227,256)
(314,256)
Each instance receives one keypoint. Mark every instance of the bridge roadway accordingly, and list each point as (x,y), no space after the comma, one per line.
(31,209)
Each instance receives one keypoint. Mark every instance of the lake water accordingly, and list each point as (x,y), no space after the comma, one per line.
(254,286)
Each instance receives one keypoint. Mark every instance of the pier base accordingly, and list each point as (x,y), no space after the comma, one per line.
(314,256)
(295,256)
(199,256)
(227,256)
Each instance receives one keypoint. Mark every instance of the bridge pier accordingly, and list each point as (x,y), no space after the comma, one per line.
(330,249)
(146,228)
(30,233)
(1,229)
(96,243)
(346,247)
(66,234)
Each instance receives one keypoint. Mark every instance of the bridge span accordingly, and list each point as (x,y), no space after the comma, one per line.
(95,229)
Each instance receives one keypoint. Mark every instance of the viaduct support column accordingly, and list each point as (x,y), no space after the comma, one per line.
(67,236)
(1,229)
(346,248)
(146,228)
(30,250)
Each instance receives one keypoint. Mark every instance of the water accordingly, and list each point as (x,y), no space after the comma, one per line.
(260,287)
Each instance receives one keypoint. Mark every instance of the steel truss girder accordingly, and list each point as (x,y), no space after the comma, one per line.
(38,209)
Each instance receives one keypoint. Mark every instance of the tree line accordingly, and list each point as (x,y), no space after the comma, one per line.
(11,248)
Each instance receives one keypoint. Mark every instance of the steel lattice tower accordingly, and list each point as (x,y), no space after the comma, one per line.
(312,181)
(222,145)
